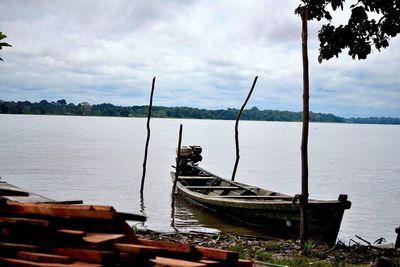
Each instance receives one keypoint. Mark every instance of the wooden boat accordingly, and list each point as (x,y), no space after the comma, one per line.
(277,213)
(9,192)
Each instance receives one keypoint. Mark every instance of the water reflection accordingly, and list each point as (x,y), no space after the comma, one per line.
(142,206)
(173,201)
(142,211)
(189,216)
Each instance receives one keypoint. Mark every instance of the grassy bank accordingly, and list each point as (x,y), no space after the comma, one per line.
(267,252)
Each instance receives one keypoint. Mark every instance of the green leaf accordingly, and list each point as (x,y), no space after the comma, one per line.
(4,44)
(2,36)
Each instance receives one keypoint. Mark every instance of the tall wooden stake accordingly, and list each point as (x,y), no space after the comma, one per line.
(304,137)
(148,137)
(178,158)
(237,130)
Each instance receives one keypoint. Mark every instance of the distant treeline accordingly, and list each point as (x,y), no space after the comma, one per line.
(61,107)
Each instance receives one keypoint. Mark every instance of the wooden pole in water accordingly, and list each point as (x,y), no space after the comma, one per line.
(148,136)
(304,137)
(237,130)
(178,158)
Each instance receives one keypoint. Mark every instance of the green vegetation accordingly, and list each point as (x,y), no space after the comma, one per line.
(61,107)
(372,23)
(271,252)
(3,44)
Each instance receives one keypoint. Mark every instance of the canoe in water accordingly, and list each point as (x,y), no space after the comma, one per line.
(278,213)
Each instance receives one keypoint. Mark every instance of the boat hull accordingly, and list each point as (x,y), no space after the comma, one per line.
(276,213)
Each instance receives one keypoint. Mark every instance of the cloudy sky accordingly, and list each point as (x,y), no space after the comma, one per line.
(203,53)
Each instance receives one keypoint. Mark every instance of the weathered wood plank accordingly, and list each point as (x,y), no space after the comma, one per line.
(69,235)
(24,221)
(170,247)
(102,238)
(10,262)
(79,233)
(7,247)
(68,211)
(230,257)
(210,262)
(161,261)
(67,205)
(142,250)
(42,235)
(86,255)
(42,257)
(55,210)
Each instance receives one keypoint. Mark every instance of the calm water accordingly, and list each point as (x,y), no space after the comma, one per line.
(99,160)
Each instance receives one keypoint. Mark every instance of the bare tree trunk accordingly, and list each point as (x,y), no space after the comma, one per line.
(148,137)
(304,137)
(237,129)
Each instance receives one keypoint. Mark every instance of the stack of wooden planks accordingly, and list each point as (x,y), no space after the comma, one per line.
(90,235)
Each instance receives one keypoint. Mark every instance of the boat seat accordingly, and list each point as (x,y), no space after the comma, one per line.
(213,187)
(196,177)
(259,197)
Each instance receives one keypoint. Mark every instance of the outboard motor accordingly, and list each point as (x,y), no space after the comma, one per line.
(189,156)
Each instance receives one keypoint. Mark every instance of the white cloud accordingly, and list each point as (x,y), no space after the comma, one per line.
(204,54)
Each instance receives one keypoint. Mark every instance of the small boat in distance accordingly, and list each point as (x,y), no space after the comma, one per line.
(9,192)
(278,213)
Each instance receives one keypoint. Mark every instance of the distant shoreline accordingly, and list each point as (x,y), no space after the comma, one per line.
(61,107)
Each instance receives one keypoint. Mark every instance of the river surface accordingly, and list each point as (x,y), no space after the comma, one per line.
(99,160)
